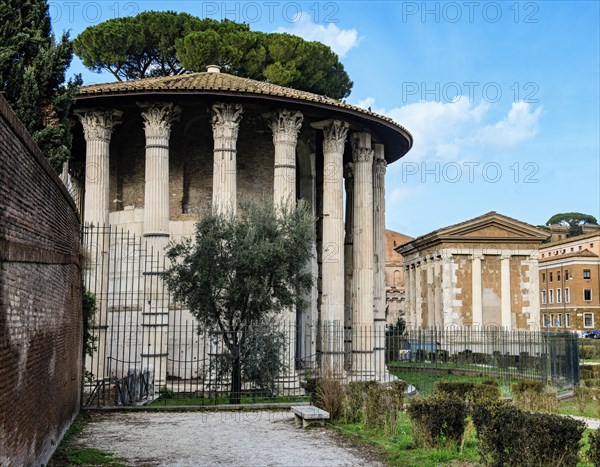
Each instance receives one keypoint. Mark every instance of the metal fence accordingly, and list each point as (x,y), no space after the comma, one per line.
(150,349)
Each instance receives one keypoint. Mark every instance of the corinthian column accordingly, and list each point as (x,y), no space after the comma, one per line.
(285,125)
(98,125)
(477,294)
(332,269)
(379,168)
(225,123)
(158,118)
(362,274)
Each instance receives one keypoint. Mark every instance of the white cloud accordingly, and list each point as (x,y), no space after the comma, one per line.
(461,129)
(340,40)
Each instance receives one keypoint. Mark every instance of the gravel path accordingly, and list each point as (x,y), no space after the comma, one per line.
(218,438)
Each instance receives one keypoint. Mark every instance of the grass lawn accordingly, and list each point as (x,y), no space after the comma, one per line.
(398,450)
(424,381)
(569,407)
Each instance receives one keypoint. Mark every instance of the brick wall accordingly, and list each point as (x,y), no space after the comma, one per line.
(40,301)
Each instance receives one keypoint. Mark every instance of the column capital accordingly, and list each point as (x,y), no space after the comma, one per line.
(226,119)
(98,124)
(476,256)
(504,257)
(285,125)
(335,132)
(158,118)
(379,167)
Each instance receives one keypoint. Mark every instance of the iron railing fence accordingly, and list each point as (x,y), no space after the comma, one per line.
(150,349)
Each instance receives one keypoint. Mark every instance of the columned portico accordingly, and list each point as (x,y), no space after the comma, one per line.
(363,258)
(332,269)
(225,124)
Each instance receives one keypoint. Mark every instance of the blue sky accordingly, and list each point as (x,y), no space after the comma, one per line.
(503,98)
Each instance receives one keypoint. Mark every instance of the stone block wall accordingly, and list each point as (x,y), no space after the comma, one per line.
(40,301)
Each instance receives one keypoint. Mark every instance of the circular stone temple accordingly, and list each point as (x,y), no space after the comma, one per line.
(152,156)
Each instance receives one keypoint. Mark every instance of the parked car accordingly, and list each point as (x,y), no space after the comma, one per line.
(595,334)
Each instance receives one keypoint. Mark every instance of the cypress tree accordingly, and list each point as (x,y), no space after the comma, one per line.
(32,75)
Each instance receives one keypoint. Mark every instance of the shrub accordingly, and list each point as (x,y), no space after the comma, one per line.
(375,407)
(587,351)
(165,392)
(594,453)
(453,388)
(397,388)
(484,393)
(527,385)
(509,436)
(330,396)
(354,401)
(437,420)
(311,387)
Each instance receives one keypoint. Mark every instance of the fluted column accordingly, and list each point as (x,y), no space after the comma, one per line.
(332,268)
(505,308)
(225,124)
(408,294)
(379,168)
(158,119)
(362,267)
(447,289)
(348,262)
(98,125)
(285,125)
(532,289)
(477,300)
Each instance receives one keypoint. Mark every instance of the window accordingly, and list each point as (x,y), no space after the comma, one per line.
(566,274)
(567,295)
(579,247)
(587,274)
(559,319)
(572,249)
(543,277)
(588,320)
(567,320)
(587,295)
(550,277)
(551,296)
(543,297)
(591,245)
(557,276)
(552,319)
(546,320)
(558,296)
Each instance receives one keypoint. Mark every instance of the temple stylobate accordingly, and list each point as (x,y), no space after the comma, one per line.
(152,156)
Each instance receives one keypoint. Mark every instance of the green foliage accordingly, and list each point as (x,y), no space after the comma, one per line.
(460,389)
(242,271)
(484,393)
(521,387)
(509,436)
(166,43)
(574,220)
(594,452)
(356,394)
(32,75)
(89,310)
(438,420)
(165,392)
(136,46)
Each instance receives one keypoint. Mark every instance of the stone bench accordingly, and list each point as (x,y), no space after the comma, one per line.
(309,415)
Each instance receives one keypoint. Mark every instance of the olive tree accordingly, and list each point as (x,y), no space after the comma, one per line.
(238,273)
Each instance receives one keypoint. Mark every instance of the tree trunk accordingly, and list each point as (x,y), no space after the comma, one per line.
(236,380)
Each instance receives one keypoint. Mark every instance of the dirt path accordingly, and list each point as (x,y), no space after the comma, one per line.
(218,438)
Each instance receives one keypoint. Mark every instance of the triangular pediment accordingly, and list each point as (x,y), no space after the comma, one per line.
(493,226)
(487,228)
